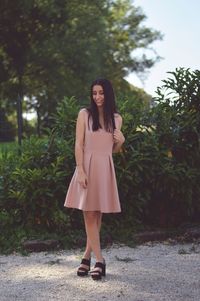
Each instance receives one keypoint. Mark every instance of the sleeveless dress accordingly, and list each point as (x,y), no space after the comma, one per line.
(101,193)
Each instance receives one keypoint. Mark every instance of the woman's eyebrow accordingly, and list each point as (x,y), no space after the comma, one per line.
(94,91)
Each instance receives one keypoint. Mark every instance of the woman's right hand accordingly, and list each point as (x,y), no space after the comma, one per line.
(82,178)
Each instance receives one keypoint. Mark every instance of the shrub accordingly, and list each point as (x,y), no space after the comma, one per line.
(158,170)
(159,181)
(33,186)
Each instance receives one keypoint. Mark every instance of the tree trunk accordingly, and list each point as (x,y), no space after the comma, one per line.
(19,112)
(38,121)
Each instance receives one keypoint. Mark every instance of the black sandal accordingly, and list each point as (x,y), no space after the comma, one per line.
(97,274)
(83,271)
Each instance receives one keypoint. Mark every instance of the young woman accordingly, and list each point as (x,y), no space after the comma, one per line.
(93,188)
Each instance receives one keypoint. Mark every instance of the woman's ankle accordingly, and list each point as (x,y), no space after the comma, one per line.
(100,259)
(87,256)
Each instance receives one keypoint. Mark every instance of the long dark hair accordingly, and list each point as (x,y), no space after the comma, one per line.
(109,106)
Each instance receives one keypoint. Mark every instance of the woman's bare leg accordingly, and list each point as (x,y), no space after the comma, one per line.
(92,225)
(88,249)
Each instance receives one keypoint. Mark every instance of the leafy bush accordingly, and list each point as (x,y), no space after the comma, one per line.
(33,186)
(158,171)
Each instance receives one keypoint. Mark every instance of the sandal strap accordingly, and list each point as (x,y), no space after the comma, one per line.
(99,265)
(86,261)
(81,269)
(95,272)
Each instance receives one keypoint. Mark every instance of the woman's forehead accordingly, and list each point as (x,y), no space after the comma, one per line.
(97,88)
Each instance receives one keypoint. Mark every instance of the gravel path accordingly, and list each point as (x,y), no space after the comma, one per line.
(150,272)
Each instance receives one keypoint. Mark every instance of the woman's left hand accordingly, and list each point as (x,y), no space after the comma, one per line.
(118,137)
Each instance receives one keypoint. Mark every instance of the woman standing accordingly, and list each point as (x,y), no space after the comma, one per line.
(93,188)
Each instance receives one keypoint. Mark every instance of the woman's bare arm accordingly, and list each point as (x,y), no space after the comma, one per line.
(79,143)
(118,137)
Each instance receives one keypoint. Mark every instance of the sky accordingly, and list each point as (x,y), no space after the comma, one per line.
(179,22)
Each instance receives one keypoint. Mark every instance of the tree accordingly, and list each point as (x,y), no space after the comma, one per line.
(49,49)
(125,33)
(7,130)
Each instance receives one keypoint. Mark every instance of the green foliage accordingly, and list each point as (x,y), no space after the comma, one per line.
(7,129)
(57,48)
(33,186)
(64,119)
(158,170)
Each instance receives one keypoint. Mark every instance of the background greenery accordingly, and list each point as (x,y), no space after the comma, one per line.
(158,171)
(51,50)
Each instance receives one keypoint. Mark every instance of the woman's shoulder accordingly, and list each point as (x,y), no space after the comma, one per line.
(83,111)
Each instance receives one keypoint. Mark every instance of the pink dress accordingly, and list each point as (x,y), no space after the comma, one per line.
(101,193)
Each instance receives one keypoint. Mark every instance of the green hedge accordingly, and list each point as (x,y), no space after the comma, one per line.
(158,170)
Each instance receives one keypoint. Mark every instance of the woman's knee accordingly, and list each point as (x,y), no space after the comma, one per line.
(91,216)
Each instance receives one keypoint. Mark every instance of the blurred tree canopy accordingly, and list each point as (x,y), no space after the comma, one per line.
(53,48)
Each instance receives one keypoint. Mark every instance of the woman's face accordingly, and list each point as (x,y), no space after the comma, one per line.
(98,95)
